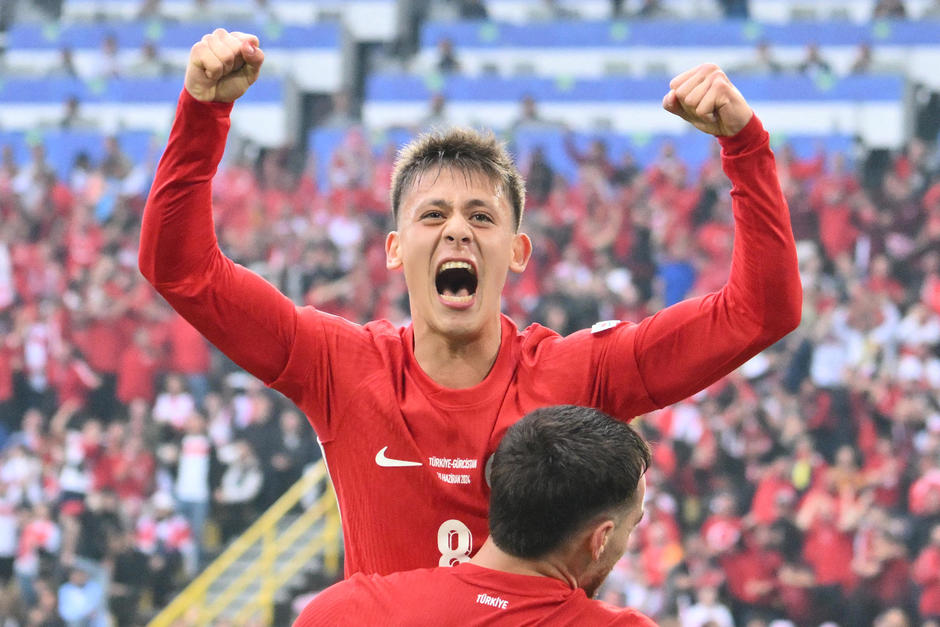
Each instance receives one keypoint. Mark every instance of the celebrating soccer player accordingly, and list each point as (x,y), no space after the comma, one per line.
(408,417)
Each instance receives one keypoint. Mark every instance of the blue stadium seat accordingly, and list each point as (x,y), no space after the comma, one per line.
(638,48)
(62,147)
(135,104)
(868,106)
(310,54)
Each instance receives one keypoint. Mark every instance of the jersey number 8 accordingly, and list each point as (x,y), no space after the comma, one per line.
(454,541)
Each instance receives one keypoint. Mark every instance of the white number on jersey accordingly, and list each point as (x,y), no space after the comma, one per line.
(455,542)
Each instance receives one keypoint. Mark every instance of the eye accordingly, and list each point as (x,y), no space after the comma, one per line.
(433,214)
(481,217)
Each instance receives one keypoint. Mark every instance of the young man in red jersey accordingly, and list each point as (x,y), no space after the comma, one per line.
(567,490)
(407,417)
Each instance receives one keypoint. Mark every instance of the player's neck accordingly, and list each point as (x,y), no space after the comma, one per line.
(456,363)
(492,557)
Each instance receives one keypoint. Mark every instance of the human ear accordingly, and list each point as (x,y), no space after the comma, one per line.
(393,251)
(521,252)
(598,538)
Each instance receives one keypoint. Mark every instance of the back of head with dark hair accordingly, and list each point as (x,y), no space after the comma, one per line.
(466,150)
(557,469)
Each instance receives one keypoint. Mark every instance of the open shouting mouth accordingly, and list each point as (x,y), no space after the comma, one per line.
(456,283)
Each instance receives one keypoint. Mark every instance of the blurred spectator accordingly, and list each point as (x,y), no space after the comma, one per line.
(150,63)
(548,10)
(447,62)
(676,271)
(151,10)
(653,9)
(863,62)
(350,167)
(115,164)
(295,451)
(892,617)
(889,9)
(539,176)
(264,435)
(342,114)
(82,600)
(472,9)
(735,9)
(813,64)
(529,118)
(129,576)
(9,531)
(239,487)
(72,117)
(214,11)
(436,117)
(65,67)
(174,404)
(108,63)
(39,540)
(193,482)
(189,357)
(926,574)
(165,538)
(46,611)
(763,61)
(137,369)
(707,611)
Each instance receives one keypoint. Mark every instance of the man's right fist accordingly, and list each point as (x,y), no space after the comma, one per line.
(222,66)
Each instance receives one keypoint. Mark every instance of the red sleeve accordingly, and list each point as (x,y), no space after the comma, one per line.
(235,309)
(687,347)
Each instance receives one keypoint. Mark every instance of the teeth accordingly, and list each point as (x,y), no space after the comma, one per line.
(457,299)
(456,265)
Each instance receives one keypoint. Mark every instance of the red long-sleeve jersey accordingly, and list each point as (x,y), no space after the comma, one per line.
(405,454)
(465,595)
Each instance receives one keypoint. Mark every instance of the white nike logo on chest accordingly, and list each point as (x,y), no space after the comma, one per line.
(388,462)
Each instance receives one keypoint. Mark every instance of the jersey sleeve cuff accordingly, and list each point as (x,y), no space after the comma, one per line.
(218,109)
(745,140)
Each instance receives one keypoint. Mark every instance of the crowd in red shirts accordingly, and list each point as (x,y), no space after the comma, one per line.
(804,487)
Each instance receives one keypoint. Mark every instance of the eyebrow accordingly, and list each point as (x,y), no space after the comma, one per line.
(442,203)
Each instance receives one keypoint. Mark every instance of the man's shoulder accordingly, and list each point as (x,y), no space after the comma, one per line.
(378,330)
(375,586)
(535,338)
(608,614)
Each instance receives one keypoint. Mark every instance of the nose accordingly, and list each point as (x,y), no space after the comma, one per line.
(457,230)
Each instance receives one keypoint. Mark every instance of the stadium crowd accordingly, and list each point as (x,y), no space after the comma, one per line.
(805,487)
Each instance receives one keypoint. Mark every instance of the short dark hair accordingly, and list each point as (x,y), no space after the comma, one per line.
(466,150)
(557,469)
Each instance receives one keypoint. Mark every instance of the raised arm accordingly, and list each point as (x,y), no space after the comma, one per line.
(690,345)
(239,312)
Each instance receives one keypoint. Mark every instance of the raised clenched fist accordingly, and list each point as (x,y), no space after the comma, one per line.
(222,66)
(706,98)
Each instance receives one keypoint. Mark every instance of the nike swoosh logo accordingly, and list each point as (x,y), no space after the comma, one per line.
(388,462)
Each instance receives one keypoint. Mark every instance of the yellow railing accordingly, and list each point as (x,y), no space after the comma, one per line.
(192,607)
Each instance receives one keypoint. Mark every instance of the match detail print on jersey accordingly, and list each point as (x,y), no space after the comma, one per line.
(388,462)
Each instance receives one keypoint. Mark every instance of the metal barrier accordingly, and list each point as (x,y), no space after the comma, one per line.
(194,607)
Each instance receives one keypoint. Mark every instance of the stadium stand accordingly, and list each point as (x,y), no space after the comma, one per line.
(803,488)
(598,48)
(870,107)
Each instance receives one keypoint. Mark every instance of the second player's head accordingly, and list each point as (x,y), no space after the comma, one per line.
(568,484)
(457,199)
